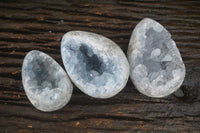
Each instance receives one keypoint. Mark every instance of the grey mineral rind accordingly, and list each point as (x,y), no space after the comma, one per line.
(156,66)
(45,82)
(95,64)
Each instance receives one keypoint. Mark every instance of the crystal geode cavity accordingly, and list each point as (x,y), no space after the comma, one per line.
(46,84)
(156,66)
(95,64)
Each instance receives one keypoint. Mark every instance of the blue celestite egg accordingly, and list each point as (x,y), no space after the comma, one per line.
(95,64)
(45,82)
(156,66)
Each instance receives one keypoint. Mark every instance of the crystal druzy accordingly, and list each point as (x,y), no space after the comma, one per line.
(45,82)
(95,64)
(156,66)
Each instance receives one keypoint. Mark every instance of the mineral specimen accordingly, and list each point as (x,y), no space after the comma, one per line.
(156,66)
(95,64)
(45,82)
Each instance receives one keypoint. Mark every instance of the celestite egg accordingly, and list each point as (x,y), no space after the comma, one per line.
(45,82)
(95,64)
(156,66)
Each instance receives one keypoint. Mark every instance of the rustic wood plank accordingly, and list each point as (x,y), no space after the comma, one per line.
(28,25)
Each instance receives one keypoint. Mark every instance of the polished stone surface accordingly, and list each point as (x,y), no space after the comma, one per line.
(95,64)
(45,82)
(156,66)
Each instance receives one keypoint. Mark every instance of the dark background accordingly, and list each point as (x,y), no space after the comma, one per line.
(36,24)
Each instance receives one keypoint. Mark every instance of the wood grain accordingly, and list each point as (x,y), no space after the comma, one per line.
(27,25)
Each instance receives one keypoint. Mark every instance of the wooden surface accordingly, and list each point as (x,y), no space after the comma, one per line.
(27,25)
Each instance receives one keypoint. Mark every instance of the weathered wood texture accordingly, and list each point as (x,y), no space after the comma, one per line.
(27,25)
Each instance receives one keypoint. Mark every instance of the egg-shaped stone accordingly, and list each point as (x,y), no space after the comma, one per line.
(46,84)
(95,64)
(156,66)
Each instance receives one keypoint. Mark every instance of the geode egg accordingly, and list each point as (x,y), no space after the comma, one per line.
(95,64)
(46,84)
(156,66)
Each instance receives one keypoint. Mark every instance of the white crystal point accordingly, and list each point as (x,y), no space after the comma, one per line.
(95,64)
(45,82)
(156,66)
